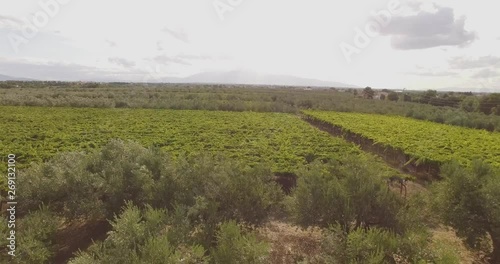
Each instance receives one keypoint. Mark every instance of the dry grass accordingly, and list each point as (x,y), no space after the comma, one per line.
(445,236)
(289,243)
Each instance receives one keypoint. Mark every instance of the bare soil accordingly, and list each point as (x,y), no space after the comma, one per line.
(78,235)
(289,243)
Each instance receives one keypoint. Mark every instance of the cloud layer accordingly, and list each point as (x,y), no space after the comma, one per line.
(427,30)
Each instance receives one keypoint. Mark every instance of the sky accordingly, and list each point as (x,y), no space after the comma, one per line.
(394,44)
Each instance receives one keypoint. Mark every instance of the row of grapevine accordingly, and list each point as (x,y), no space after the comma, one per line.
(35,134)
(422,140)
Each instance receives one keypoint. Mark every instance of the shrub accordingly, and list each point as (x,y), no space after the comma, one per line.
(235,247)
(36,237)
(349,194)
(121,167)
(377,245)
(140,237)
(63,184)
(233,189)
(359,246)
(467,200)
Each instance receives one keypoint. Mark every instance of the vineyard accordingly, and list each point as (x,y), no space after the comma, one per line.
(206,175)
(35,134)
(421,140)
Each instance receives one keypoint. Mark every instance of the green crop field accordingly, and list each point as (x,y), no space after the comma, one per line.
(35,134)
(421,140)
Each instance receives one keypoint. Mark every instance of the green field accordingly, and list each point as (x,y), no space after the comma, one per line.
(35,134)
(421,140)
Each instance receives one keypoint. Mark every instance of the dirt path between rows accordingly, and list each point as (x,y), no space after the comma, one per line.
(78,235)
(395,158)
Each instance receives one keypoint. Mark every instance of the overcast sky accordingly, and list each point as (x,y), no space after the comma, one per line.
(437,45)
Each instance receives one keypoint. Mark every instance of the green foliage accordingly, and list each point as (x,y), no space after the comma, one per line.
(240,98)
(359,246)
(372,246)
(235,247)
(93,185)
(282,140)
(148,236)
(470,104)
(138,236)
(234,190)
(417,214)
(490,104)
(393,96)
(97,184)
(377,245)
(64,184)
(350,194)
(467,199)
(368,93)
(205,191)
(122,167)
(35,237)
(419,139)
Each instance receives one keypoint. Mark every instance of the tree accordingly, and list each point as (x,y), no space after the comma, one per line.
(470,104)
(490,103)
(348,194)
(382,97)
(368,92)
(467,200)
(427,96)
(406,98)
(393,96)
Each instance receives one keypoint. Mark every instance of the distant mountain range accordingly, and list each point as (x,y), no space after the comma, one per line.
(253,78)
(10,78)
(229,77)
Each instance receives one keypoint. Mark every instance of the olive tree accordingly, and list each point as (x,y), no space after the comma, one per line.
(468,199)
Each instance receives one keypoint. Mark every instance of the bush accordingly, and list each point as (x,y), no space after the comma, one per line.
(232,189)
(349,194)
(122,168)
(139,237)
(467,200)
(36,237)
(359,246)
(151,236)
(94,185)
(393,96)
(212,190)
(377,245)
(235,247)
(64,184)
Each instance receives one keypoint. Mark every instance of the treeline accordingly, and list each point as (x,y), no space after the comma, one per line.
(204,209)
(487,104)
(473,111)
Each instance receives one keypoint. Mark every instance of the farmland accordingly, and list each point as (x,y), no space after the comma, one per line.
(36,134)
(206,162)
(422,140)
(247,98)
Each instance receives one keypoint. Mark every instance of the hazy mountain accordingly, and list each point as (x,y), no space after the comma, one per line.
(244,77)
(10,78)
